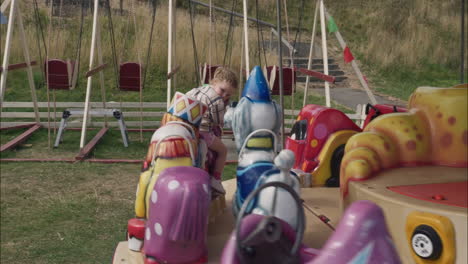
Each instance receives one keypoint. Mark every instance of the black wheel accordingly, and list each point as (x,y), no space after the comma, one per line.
(335,163)
(426,243)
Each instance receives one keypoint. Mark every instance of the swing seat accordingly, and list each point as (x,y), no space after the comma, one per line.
(210,70)
(289,77)
(130,76)
(58,77)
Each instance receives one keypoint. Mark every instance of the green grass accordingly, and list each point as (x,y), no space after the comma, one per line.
(64,213)
(402,81)
(67,213)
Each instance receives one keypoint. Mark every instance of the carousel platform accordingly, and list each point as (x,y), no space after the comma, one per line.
(323,201)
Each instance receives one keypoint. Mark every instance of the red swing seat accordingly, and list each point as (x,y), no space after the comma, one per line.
(210,70)
(289,77)
(57,74)
(130,76)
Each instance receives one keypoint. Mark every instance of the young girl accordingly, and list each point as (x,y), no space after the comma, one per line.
(216,96)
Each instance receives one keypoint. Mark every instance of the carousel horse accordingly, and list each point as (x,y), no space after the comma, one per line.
(361,237)
(173,195)
(255,123)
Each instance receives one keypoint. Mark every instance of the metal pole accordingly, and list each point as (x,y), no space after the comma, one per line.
(462,64)
(90,78)
(280,63)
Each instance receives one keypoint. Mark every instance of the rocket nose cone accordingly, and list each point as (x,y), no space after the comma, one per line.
(256,87)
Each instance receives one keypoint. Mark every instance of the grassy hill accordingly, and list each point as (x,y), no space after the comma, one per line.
(400,44)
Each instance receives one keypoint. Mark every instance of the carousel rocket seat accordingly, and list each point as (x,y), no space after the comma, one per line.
(255,122)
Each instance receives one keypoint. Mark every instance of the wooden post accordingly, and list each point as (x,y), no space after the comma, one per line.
(28,62)
(309,63)
(141,72)
(101,73)
(246,39)
(169,52)
(7,51)
(90,78)
(324,52)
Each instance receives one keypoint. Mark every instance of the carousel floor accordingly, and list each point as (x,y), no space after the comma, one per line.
(323,201)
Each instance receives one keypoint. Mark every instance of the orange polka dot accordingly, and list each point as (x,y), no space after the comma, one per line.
(439,115)
(387,146)
(419,137)
(411,145)
(446,140)
(313,143)
(452,120)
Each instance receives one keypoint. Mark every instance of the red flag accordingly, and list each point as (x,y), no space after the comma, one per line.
(348,56)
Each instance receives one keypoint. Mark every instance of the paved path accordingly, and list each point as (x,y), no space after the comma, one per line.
(352,97)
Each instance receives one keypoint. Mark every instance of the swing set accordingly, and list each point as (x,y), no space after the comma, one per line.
(63,75)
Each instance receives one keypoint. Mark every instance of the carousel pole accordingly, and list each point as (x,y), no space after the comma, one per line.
(246,39)
(280,63)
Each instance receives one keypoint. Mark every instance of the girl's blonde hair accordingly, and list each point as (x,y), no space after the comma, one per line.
(225,74)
